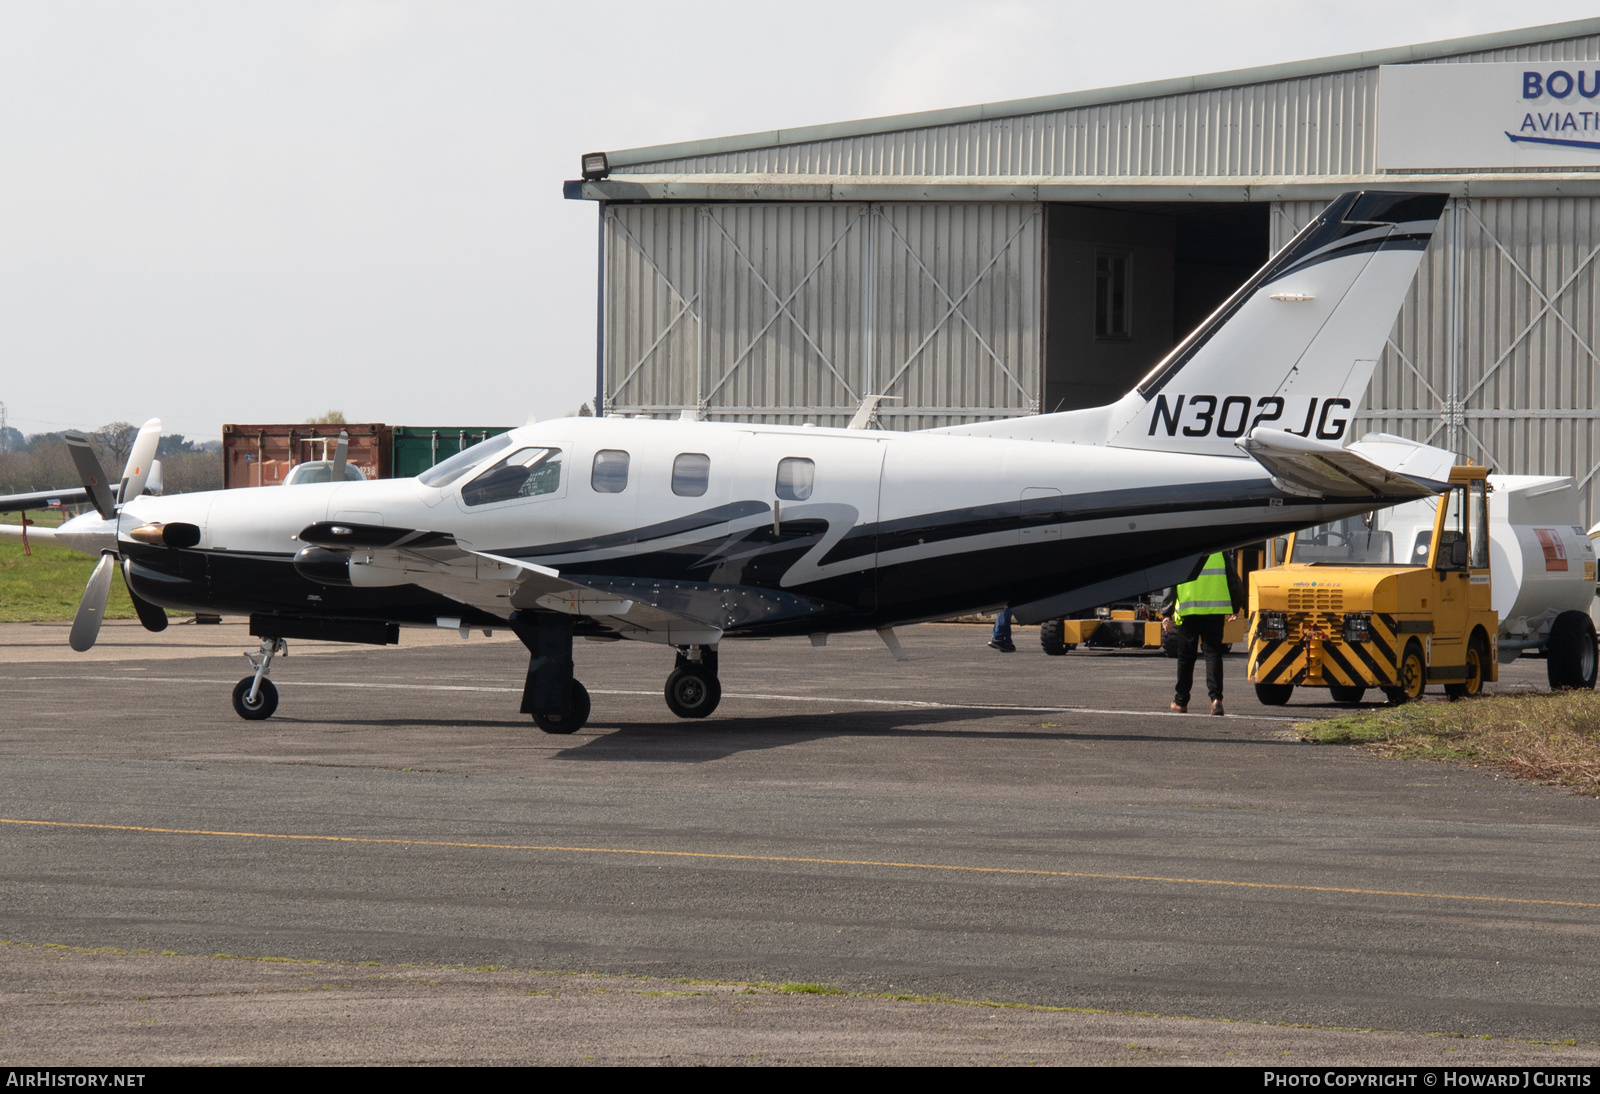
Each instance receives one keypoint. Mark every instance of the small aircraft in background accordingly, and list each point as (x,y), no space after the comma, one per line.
(688,534)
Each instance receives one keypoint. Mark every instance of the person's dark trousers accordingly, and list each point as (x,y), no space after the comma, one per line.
(1195,630)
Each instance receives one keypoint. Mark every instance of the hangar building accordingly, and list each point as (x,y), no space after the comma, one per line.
(1042,254)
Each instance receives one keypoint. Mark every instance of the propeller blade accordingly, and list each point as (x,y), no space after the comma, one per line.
(140,456)
(92,608)
(152,485)
(339,455)
(92,474)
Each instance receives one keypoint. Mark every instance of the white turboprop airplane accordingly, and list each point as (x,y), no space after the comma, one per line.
(688,533)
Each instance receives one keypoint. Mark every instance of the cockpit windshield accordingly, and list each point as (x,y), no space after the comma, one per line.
(1355,541)
(445,472)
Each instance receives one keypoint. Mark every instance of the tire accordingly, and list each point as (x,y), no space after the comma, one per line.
(1274,695)
(692,692)
(1413,674)
(1343,693)
(1572,657)
(266,700)
(572,718)
(1050,632)
(1477,666)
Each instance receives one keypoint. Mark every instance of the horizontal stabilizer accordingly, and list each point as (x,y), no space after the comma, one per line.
(1317,469)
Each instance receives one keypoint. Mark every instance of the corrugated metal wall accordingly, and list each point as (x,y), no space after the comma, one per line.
(1493,355)
(1315,125)
(794,312)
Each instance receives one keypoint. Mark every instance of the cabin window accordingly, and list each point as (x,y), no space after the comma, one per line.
(526,473)
(610,474)
(691,474)
(1111,296)
(795,477)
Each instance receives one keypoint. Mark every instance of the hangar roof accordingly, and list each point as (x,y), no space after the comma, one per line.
(1293,131)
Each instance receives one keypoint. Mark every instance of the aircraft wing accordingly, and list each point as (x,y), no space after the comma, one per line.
(42,499)
(676,612)
(1312,468)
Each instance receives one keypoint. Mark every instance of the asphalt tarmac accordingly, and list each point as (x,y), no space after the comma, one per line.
(966,824)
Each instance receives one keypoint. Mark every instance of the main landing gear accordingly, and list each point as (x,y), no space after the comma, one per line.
(255,697)
(557,702)
(693,690)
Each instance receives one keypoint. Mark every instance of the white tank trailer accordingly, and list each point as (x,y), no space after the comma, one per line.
(1542,566)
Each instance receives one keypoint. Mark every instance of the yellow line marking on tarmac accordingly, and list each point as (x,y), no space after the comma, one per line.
(1015,870)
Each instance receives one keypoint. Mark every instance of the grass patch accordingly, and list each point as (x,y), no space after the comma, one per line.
(1550,738)
(46,587)
(790,987)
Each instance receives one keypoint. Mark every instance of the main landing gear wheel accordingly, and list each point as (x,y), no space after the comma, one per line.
(569,720)
(693,691)
(258,709)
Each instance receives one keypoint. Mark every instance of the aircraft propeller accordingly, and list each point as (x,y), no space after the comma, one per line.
(136,475)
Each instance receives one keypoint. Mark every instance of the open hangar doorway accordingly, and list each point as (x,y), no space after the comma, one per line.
(1126,281)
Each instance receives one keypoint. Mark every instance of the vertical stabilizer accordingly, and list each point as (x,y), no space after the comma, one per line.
(1293,349)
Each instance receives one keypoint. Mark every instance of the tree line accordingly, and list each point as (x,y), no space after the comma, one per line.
(40,461)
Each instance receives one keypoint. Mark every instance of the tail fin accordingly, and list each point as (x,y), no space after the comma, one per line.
(1293,349)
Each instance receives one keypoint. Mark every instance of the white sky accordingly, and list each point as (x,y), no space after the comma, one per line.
(254,212)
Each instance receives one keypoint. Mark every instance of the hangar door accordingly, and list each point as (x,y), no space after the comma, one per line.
(1493,355)
(787,313)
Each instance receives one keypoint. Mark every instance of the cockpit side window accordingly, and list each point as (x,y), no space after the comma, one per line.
(610,474)
(526,473)
(691,474)
(445,472)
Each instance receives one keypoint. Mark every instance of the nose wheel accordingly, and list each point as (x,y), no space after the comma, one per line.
(693,690)
(258,706)
(255,697)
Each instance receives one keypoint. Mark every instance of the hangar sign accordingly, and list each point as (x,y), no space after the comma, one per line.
(1520,114)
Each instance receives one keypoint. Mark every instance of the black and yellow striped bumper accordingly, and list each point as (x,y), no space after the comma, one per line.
(1315,654)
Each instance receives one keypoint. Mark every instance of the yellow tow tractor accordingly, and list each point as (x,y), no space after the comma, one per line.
(1352,604)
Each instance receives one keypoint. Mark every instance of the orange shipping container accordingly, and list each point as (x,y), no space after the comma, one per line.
(263,455)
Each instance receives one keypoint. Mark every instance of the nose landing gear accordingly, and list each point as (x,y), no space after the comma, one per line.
(693,690)
(255,697)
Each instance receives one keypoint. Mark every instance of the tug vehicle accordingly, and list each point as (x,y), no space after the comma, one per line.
(1347,611)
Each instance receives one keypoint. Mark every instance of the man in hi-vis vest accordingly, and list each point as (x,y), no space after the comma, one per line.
(1198,610)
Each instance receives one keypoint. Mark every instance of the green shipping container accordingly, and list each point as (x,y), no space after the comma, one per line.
(419,447)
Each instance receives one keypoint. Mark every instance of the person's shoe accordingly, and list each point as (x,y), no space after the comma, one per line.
(1003,647)
(1216,707)
(1179,708)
